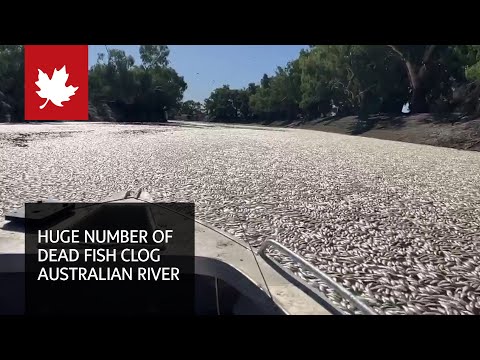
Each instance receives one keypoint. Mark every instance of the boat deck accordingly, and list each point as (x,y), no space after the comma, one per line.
(211,243)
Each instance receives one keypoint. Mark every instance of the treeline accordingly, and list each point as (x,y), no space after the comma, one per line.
(123,91)
(119,89)
(11,83)
(323,80)
(191,110)
(358,80)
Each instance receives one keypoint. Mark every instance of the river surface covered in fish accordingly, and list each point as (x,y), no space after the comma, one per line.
(397,224)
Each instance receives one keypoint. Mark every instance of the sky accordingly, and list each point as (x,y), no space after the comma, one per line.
(207,67)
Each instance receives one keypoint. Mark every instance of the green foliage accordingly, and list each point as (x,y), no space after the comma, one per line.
(355,80)
(11,82)
(473,71)
(191,108)
(345,79)
(154,55)
(118,88)
(138,92)
(220,104)
(470,56)
(279,96)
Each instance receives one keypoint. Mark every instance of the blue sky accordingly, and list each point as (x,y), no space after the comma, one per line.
(206,67)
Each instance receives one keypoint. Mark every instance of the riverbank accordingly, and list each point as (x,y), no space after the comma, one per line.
(426,129)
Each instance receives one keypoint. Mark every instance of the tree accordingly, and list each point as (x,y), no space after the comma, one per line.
(469,58)
(144,92)
(240,100)
(154,55)
(265,82)
(225,104)
(11,82)
(316,94)
(191,108)
(418,61)
(219,105)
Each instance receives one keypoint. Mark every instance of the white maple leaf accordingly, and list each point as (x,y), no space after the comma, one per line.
(54,89)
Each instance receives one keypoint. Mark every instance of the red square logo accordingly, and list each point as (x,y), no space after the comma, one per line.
(56,82)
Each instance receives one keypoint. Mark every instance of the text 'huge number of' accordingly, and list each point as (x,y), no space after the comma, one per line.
(104,236)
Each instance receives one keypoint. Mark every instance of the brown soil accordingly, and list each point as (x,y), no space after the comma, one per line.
(419,129)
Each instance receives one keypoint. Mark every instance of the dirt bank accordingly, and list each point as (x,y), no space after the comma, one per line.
(425,129)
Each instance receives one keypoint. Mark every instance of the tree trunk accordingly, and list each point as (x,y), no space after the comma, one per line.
(417,75)
(418,101)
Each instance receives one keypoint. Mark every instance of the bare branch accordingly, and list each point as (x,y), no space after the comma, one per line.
(397,50)
(352,76)
(428,54)
(412,74)
(368,88)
